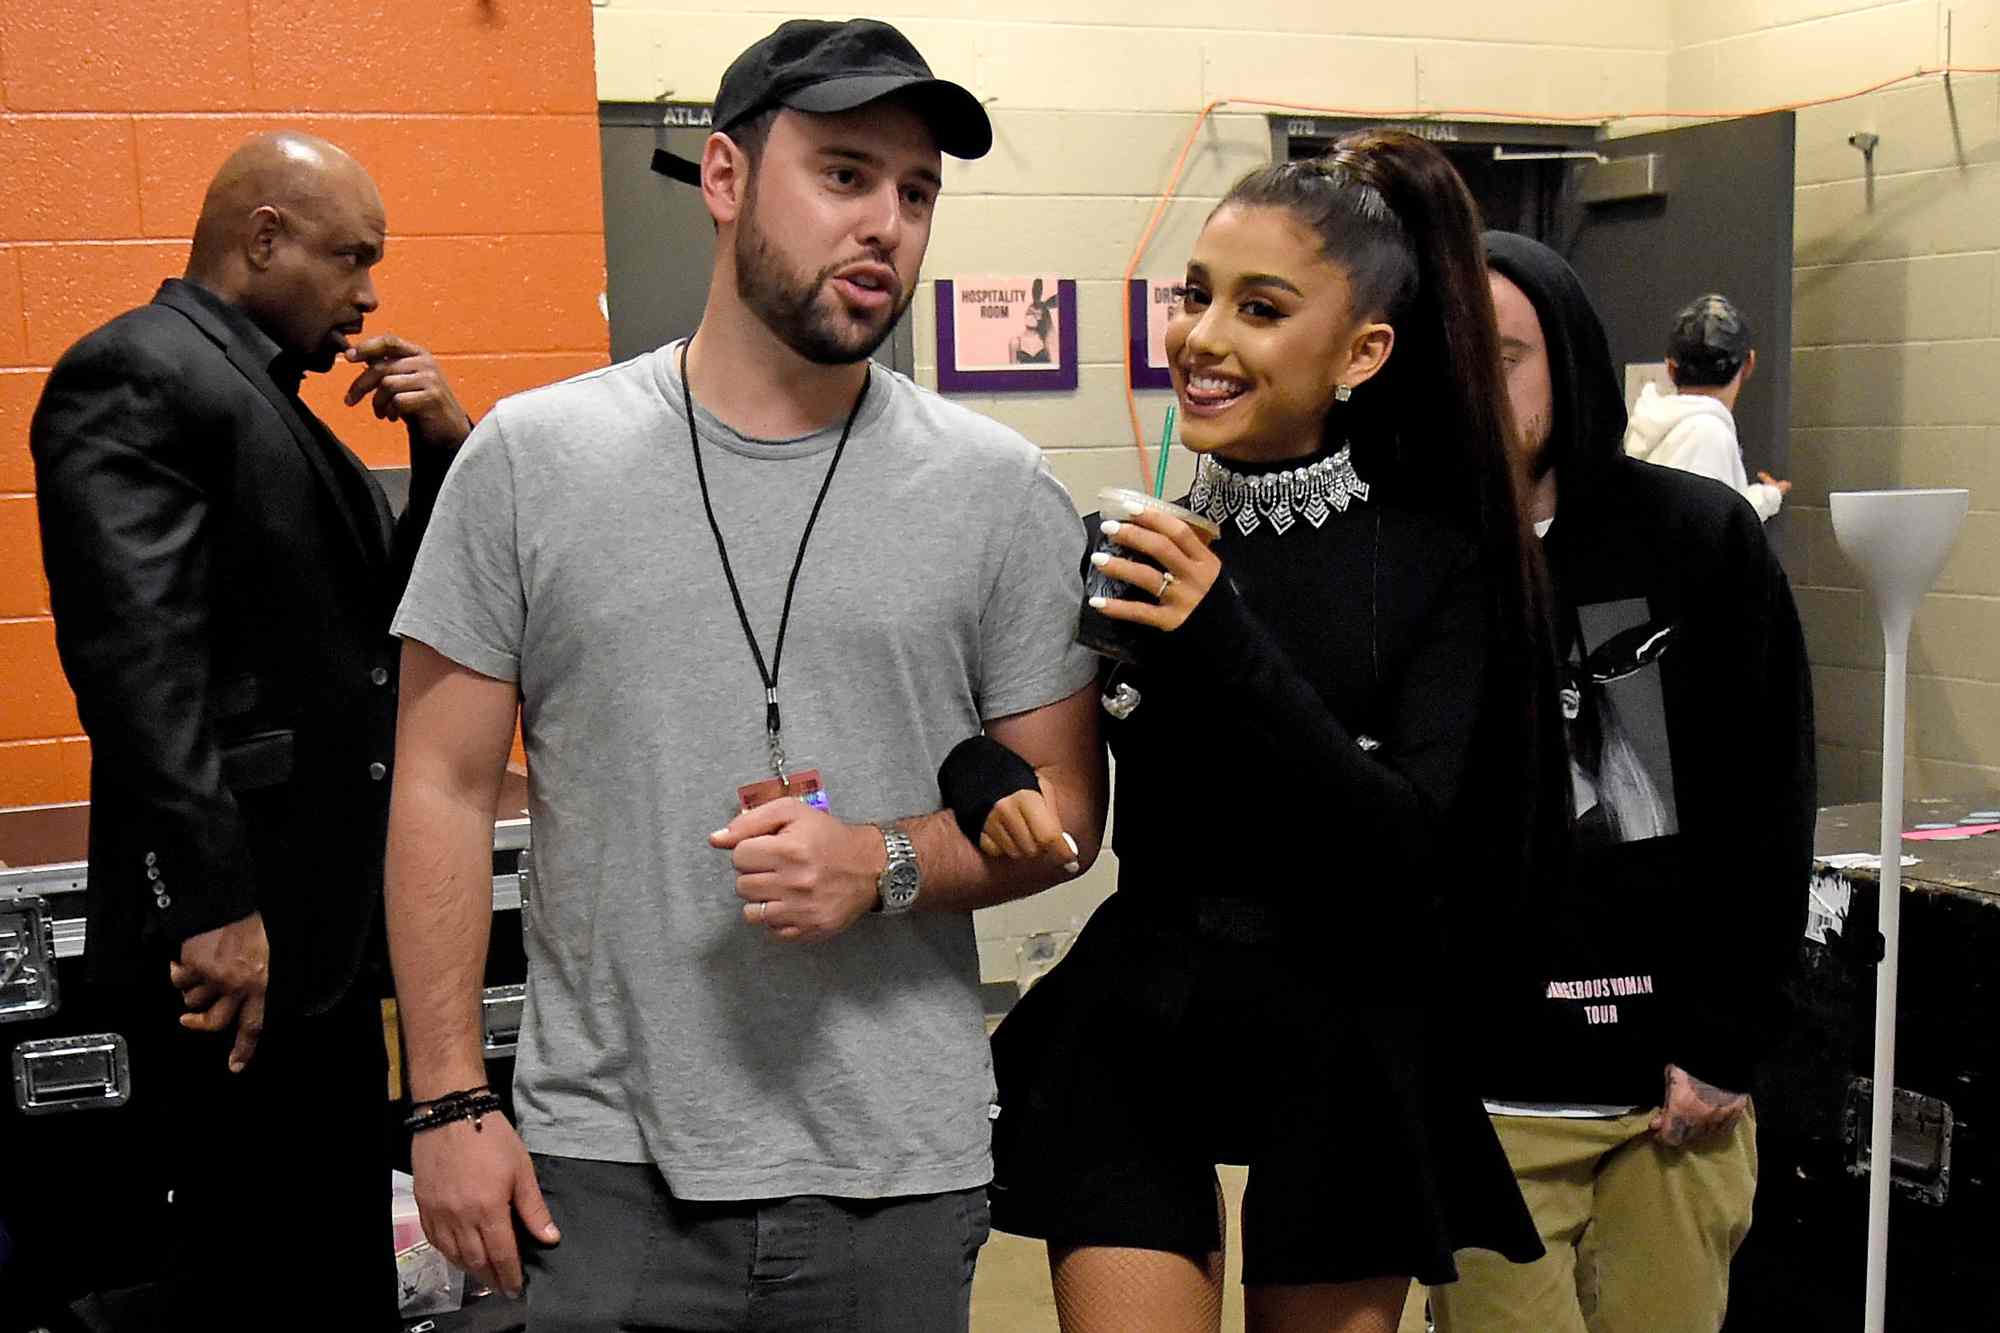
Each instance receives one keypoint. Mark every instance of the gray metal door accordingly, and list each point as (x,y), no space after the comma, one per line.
(1716,216)
(1516,172)
(658,239)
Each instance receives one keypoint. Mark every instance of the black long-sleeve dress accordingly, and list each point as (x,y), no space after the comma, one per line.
(1267,985)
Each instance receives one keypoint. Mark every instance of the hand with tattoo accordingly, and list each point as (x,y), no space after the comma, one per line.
(1693,1110)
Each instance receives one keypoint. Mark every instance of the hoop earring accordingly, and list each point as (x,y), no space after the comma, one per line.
(1342,393)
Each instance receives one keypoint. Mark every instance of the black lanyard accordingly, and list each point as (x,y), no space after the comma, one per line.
(774,736)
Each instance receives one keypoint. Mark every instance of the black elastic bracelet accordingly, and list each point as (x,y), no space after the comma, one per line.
(464,1103)
(462,1094)
(472,1105)
(456,1108)
(977,775)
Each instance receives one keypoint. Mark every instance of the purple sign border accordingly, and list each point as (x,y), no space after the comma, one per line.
(1143,375)
(953,380)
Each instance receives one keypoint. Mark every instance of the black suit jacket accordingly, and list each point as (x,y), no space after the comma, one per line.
(222,573)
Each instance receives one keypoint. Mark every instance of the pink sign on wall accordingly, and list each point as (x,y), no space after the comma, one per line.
(1006,333)
(1152,303)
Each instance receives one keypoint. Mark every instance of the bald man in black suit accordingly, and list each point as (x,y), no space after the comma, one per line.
(222,571)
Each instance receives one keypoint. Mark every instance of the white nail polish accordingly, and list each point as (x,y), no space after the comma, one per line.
(1099,603)
(1100,558)
(1070,843)
(1133,509)
(1109,527)
(1073,867)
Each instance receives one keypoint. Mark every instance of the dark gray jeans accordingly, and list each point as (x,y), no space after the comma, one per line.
(633,1257)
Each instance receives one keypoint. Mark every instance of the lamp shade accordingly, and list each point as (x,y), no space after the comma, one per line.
(1898,540)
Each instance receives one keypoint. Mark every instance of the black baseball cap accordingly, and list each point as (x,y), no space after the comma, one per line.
(1709,342)
(819,66)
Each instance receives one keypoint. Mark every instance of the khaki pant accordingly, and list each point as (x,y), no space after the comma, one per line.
(1639,1235)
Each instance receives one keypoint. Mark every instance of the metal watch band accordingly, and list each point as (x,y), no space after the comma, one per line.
(896,888)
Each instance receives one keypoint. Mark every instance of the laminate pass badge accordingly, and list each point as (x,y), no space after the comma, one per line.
(803,785)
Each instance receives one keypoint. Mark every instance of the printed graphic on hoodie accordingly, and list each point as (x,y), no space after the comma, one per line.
(1620,763)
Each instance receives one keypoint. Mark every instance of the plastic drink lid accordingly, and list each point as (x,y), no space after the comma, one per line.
(1111,502)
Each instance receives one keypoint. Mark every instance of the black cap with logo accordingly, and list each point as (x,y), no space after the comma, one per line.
(818,66)
(1709,343)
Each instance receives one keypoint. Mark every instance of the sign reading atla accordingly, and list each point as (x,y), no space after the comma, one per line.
(687,115)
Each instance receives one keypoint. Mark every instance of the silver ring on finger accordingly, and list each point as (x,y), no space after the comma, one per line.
(763,910)
(1166,582)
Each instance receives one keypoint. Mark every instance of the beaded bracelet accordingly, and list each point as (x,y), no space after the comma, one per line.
(473,1104)
(461,1095)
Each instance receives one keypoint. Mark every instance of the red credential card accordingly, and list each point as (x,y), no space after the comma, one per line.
(805,785)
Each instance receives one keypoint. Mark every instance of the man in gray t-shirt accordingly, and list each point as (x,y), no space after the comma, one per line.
(753,1047)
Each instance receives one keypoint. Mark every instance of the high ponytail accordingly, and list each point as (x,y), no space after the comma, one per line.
(1436,422)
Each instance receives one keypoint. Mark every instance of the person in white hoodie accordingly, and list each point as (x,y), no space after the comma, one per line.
(1709,358)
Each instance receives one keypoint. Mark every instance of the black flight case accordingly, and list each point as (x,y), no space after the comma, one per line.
(1802,1267)
(82,1194)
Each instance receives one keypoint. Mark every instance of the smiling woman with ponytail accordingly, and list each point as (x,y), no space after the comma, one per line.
(1339,774)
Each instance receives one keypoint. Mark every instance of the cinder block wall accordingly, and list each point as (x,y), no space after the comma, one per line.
(477,119)
(1896,325)
(1091,102)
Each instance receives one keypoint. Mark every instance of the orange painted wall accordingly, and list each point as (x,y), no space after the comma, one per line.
(478,119)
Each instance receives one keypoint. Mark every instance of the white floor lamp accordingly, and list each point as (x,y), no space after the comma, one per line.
(1898,540)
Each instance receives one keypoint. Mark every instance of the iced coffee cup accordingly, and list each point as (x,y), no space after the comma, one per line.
(1121,639)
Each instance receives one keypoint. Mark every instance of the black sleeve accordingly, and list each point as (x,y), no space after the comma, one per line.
(977,775)
(1737,941)
(128,538)
(1400,792)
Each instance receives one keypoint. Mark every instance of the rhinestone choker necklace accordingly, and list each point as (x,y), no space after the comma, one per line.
(1278,498)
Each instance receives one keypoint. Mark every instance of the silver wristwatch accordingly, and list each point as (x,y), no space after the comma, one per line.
(896,887)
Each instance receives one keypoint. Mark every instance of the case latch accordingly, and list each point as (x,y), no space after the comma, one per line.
(500,1018)
(28,986)
(1920,1130)
(62,1074)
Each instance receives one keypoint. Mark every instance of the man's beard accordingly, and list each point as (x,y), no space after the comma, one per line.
(790,307)
(1535,433)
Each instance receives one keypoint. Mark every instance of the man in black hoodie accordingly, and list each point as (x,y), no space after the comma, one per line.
(1624,1105)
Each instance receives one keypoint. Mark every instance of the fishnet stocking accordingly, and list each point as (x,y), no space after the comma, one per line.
(1101,1289)
(1106,1289)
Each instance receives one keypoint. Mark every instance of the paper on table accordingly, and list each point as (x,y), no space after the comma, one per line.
(1862,861)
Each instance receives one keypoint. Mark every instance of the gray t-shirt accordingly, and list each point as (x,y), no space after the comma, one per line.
(569,553)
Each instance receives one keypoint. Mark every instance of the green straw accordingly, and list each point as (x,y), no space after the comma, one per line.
(1166,443)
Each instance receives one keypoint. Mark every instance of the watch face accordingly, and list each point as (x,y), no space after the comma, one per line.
(901,878)
(902,886)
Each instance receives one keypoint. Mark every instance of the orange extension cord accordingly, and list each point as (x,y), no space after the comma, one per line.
(1436,113)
